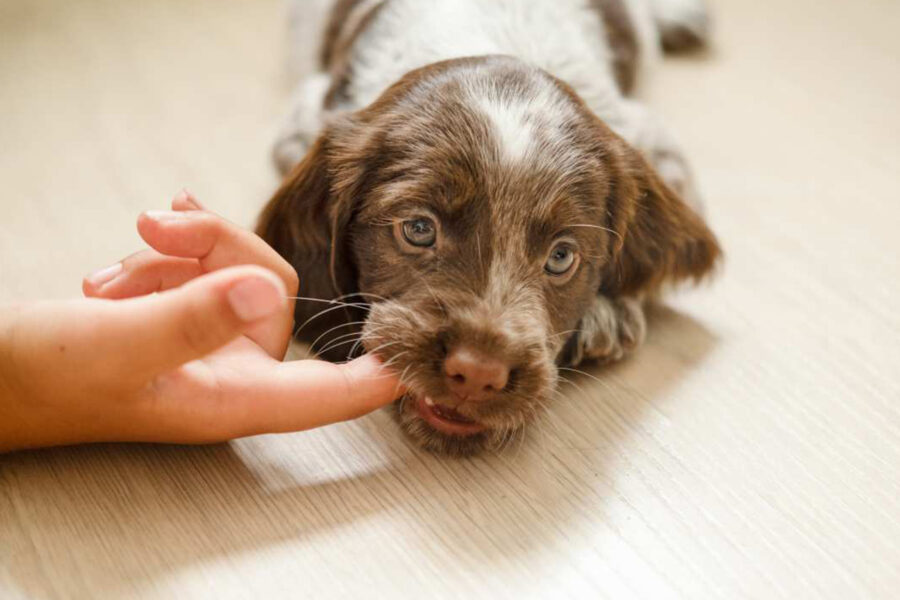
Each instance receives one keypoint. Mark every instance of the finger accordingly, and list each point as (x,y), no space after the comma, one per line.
(99,283)
(216,243)
(155,334)
(305,394)
(142,273)
(184,200)
(92,283)
(99,280)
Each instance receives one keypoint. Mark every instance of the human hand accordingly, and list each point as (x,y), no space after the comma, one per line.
(199,362)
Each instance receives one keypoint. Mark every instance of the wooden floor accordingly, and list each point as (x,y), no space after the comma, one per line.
(749,450)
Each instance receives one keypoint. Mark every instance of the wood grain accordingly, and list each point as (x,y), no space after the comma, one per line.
(749,450)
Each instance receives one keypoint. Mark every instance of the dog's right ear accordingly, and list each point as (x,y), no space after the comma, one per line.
(659,238)
(306,223)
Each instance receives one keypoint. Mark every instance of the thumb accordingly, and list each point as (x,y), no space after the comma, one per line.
(159,333)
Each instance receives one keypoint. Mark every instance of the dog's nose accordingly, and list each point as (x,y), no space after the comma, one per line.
(473,375)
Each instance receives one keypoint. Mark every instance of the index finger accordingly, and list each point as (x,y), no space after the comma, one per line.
(305,394)
(211,239)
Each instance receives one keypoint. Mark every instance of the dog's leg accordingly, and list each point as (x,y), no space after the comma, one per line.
(682,24)
(303,122)
(612,328)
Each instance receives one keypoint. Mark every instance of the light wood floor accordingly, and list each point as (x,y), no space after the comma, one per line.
(749,450)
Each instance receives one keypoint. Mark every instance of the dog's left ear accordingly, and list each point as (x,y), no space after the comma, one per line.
(306,222)
(658,237)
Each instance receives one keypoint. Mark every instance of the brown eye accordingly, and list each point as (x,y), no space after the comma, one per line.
(420,232)
(561,259)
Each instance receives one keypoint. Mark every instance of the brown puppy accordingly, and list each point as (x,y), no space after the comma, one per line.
(472,255)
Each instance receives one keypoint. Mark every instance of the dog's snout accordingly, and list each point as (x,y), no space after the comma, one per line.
(473,375)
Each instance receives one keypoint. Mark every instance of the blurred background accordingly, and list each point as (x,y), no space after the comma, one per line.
(749,450)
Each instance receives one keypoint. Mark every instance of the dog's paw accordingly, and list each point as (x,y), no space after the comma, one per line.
(683,25)
(612,328)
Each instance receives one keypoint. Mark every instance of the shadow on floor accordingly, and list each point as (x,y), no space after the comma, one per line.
(120,517)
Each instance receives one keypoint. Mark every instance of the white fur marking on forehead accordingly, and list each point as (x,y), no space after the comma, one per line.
(517,117)
(510,120)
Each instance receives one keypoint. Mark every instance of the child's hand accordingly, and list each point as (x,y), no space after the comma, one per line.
(198,362)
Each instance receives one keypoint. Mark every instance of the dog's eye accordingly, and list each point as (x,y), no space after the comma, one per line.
(561,259)
(420,232)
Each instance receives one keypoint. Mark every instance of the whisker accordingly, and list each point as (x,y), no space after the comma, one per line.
(362,294)
(433,295)
(312,346)
(298,328)
(383,346)
(391,361)
(360,335)
(336,342)
(478,248)
(575,385)
(319,314)
(324,301)
(561,333)
(355,338)
(400,382)
(360,340)
(521,438)
(506,436)
(511,432)
(607,229)
(586,374)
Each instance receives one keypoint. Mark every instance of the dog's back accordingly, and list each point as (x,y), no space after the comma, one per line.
(593,45)
(600,48)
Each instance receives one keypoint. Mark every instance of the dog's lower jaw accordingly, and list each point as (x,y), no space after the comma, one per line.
(437,442)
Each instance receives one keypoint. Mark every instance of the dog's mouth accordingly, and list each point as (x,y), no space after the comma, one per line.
(446,419)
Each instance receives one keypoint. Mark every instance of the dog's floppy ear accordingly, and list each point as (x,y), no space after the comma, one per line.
(306,222)
(658,237)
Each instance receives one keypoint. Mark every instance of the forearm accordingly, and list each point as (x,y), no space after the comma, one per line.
(14,431)
(12,426)
(36,407)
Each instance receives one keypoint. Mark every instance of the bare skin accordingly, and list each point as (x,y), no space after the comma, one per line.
(198,362)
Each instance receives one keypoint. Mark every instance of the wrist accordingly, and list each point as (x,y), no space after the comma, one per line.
(28,417)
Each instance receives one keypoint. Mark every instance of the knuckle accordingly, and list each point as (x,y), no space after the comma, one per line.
(200,327)
(194,334)
(216,227)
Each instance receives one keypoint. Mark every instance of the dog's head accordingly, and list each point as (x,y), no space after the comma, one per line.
(468,218)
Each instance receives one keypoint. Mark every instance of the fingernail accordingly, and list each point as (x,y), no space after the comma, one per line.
(255,298)
(166,216)
(186,197)
(104,276)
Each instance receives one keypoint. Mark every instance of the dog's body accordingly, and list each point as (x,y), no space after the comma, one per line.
(601,48)
(458,181)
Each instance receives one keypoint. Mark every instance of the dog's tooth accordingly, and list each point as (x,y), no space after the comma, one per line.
(429,401)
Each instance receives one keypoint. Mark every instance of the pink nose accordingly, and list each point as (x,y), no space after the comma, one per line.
(472,375)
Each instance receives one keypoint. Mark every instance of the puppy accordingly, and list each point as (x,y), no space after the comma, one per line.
(475,200)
